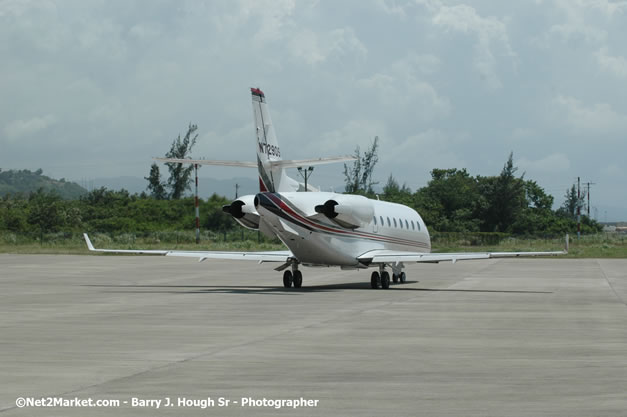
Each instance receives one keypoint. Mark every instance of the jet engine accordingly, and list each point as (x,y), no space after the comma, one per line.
(243,211)
(350,211)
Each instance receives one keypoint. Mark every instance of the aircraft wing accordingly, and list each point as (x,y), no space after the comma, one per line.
(390,256)
(273,256)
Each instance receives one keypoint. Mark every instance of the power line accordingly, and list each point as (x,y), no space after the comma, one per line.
(579,198)
(588,184)
(305,173)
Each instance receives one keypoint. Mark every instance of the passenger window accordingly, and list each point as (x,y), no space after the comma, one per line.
(381,218)
(406,224)
(375,220)
(412,225)
(389,224)
(395,223)
(401,223)
(418,224)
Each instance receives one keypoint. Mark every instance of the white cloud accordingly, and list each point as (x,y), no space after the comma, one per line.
(401,89)
(554,163)
(356,132)
(20,8)
(578,32)
(613,171)
(489,32)
(585,19)
(391,7)
(616,65)
(609,8)
(433,148)
(315,48)
(598,118)
(145,31)
(20,128)
(273,17)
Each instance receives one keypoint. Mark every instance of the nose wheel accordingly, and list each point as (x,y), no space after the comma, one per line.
(292,278)
(288,279)
(298,279)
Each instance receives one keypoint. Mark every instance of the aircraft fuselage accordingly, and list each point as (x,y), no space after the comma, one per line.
(316,239)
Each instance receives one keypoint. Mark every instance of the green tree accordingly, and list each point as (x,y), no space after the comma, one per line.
(13,211)
(505,196)
(155,186)
(449,201)
(180,176)
(45,211)
(536,196)
(217,220)
(571,203)
(396,194)
(358,177)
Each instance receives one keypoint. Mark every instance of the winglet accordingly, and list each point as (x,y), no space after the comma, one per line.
(89,245)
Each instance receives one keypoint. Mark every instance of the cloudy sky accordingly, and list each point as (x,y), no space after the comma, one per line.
(96,88)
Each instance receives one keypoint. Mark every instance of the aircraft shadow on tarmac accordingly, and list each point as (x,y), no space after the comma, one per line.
(256,289)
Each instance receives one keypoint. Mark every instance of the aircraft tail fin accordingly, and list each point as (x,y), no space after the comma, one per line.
(271,178)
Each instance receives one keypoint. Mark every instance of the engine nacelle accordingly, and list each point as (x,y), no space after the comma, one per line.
(244,212)
(350,211)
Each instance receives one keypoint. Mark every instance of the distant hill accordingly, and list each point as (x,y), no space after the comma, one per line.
(25,181)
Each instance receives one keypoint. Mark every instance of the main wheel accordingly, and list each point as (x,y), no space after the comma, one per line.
(287,279)
(403,277)
(394,278)
(385,280)
(298,279)
(375,280)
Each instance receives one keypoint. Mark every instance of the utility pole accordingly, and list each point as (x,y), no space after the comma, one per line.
(588,184)
(305,173)
(196,207)
(236,190)
(578,207)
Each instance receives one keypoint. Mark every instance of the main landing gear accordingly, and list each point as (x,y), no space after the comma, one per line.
(295,278)
(381,278)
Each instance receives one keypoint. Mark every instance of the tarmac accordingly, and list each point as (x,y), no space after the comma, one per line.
(509,337)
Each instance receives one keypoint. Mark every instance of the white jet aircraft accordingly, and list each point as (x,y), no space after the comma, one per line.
(321,228)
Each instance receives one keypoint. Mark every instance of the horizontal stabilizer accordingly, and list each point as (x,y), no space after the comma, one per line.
(294,163)
(243,164)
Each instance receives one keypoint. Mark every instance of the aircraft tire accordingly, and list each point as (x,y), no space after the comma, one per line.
(394,278)
(298,279)
(287,279)
(375,280)
(403,277)
(385,280)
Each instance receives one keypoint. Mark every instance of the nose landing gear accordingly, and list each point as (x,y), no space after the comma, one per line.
(294,277)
